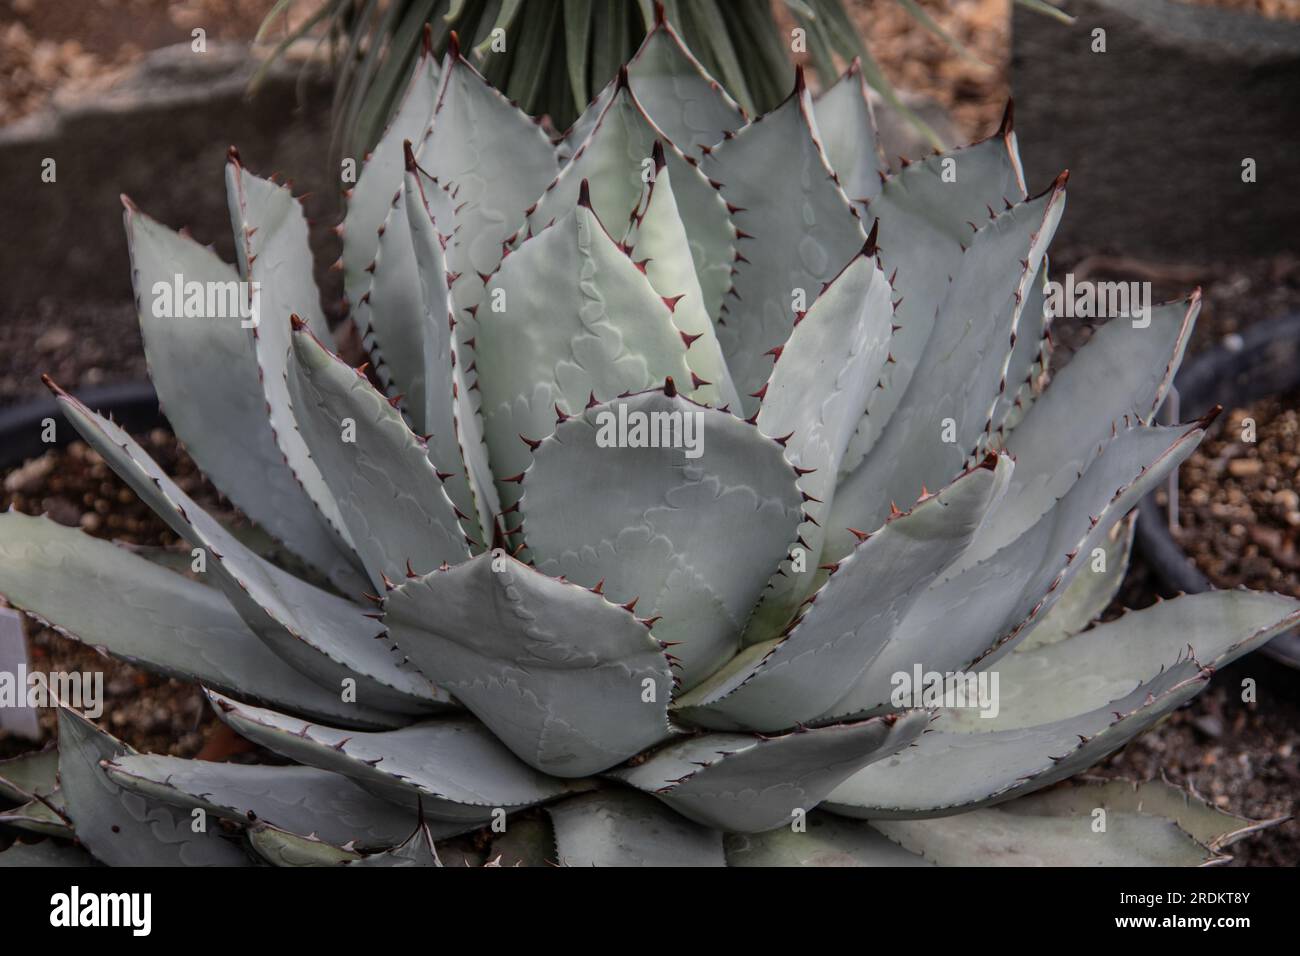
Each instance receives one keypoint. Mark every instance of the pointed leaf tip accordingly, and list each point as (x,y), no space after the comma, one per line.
(453,45)
(232,154)
(800,81)
(623,82)
(871,245)
(658,154)
(659,15)
(584,195)
(409,154)
(296,322)
(1008,118)
(427,39)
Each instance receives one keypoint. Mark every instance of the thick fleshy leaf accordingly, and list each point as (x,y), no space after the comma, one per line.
(848,135)
(46,816)
(122,828)
(1091,591)
(327,638)
(951,400)
(493,160)
(380,179)
(658,243)
(637,518)
(45,853)
(450,417)
(299,799)
(453,770)
(283,848)
(105,597)
(828,840)
(678,94)
(1000,837)
(812,401)
(1063,707)
(275,258)
(1121,371)
(568,681)
(625,828)
(577,319)
(966,616)
(1207,824)
(747,783)
(393,503)
(775,178)
(798,676)
(30,774)
(926,213)
(615,158)
(228,434)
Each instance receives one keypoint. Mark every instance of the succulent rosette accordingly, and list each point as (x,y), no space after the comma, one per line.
(696,438)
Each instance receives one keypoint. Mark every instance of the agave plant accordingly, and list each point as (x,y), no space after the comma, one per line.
(634,522)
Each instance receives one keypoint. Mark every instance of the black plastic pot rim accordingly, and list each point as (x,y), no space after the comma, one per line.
(133,405)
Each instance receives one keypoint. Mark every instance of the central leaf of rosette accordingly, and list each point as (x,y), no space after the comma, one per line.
(683,508)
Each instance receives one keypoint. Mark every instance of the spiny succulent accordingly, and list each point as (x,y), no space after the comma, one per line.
(694,436)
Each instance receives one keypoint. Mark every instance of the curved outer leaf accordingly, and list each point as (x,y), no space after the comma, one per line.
(614,158)
(578,318)
(227,433)
(638,519)
(1206,823)
(45,853)
(298,799)
(28,775)
(122,828)
(452,770)
(658,243)
(775,178)
(1121,371)
(966,616)
(848,135)
(456,443)
(393,504)
(568,681)
(1091,591)
(275,259)
(747,783)
(624,828)
(152,617)
(493,160)
(1000,837)
(926,213)
(46,816)
(381,178)
(813,399)
(828,841)
(951,400)
(282,848)
(796,677)
(678,94)
(329,639)
(1065,706)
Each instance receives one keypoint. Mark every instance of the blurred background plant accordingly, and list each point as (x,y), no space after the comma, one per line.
(553,56)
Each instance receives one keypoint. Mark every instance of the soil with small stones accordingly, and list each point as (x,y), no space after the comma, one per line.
(1239,513)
